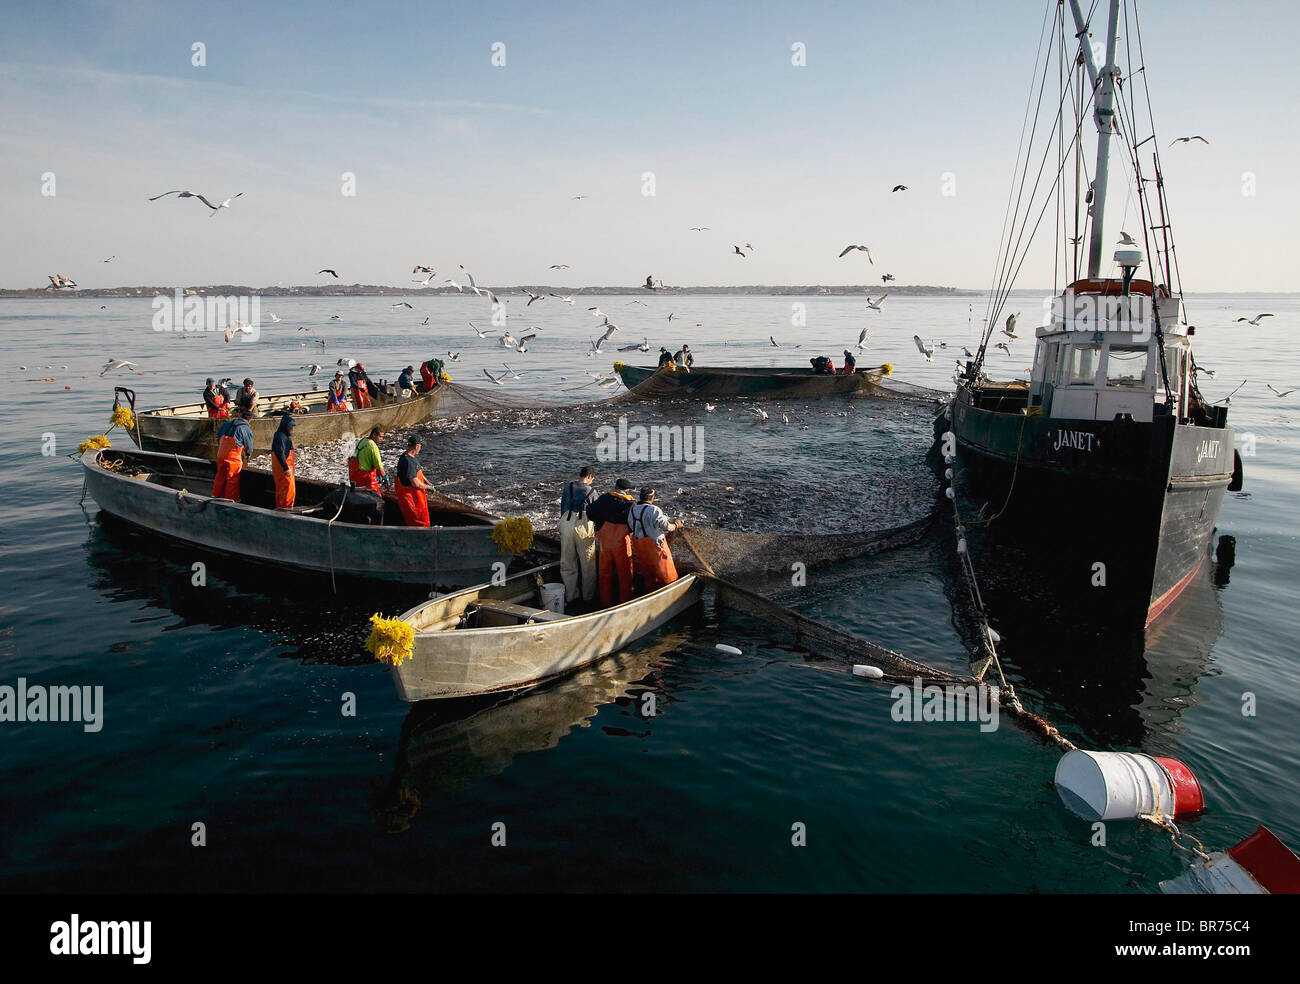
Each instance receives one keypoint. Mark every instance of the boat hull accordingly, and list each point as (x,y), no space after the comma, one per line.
(187,430)
(466,662)
(756,384)
(437,556)
(1140,499)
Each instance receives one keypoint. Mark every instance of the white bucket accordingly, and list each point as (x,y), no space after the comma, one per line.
(553,598)
(1114,785)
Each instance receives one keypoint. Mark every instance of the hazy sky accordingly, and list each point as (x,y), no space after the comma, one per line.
(459,161)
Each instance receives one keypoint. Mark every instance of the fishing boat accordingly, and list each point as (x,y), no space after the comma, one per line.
(496,638)
(1107,458)
(188,430)
(707,382)
(170,495)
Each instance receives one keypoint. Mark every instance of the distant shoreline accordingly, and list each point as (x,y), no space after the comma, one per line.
(378,290)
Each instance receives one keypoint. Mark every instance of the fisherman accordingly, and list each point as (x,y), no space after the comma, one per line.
(282,463)
(337,402)
(665,357)
(652,561)
(361,387)
(822,365)
(613,543)
(429,373)
(246,397)
(365,469)
(234,447)
(578,538)
(684,358)
(406,381)
(412,487)
(850,364)
(214,398)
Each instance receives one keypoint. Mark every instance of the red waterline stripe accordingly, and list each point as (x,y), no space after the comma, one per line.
(1167,599)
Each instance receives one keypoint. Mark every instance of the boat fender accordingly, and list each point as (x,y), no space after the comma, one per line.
(870,672)
(961,546)
(1238,474)
(729,650)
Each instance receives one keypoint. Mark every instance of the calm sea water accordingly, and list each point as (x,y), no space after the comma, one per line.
(223,703)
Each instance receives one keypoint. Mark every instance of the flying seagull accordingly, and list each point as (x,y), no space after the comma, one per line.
(875,305)
(925,348)
(524,340)
(558,266)
(422,269)
(1004,347)
(774,342)
(59,281)
(113,364)
(495,379)
(191,194)
(238,328)
(576,197)
(508,340)
(110,259)
(481,334)
(736,250)
(330,272)
(1189,140)
(651,283)
(1255,320)
(532,297)
(454,284)
(567,300)
(900,187)
(851,247)
(1010,329)
(862,337)
(1126,240)
(1280,392)
(700,229)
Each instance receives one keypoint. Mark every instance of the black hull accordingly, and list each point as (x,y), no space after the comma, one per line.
(1140,499)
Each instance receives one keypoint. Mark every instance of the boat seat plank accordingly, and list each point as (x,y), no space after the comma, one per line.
(517,611)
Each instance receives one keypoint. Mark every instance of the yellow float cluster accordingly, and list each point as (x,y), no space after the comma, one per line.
(123,417)
(95,442)
(513,535)
(391,640)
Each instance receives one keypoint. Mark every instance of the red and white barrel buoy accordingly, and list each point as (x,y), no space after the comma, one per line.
(1259,865)
(1126,785)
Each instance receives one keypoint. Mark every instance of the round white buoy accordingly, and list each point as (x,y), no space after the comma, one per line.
(961,546)
(1125,785)
(948,492)
(870,672)
(731,650)
(993,634)
(947,473)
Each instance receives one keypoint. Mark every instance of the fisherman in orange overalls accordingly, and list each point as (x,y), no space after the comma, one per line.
(234,446)
(360,386)
(214,398)
(364,467)
(613,543)
(337,402)
(411,487)
(282,463)
(652,561)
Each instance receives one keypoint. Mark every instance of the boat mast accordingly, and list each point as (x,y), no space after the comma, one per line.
(1104,85)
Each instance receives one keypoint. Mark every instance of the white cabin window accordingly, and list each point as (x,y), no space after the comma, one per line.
(1081,364)
(1126,365)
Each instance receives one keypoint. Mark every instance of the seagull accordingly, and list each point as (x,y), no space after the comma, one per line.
(651,283)
(785,418)
(513,374)
(238,328)
(643,346)
(670,316)
(1004,347)
(422,269)
(749,247)
(925,348)
(967,352)
(190,194)
(525,339)
(473,286)
(900,187)
(597,312)
(736,250)
(113,364)
(758,412)
(710,407)
(851,247)
(609,331)
(773,341)
(531,297)
(1282,392)
(481,334)
(311,369)
(508,340)
(576,197)
(59,281)
(453,357)
(401,304)
(595,347)
(110,259)
(335,317)
(424,322)
(275,318)
(875,305)
(558,266)
(886,278)
(567,300)
(1010,329)
(1189,140)
(700,229)
(330,272)
(862,337)
(1126,240)
(425,281)
(454,284)
(495,379)
(1255,320)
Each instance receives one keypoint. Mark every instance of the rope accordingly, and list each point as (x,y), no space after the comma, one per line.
(1015,470)
(329,537)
